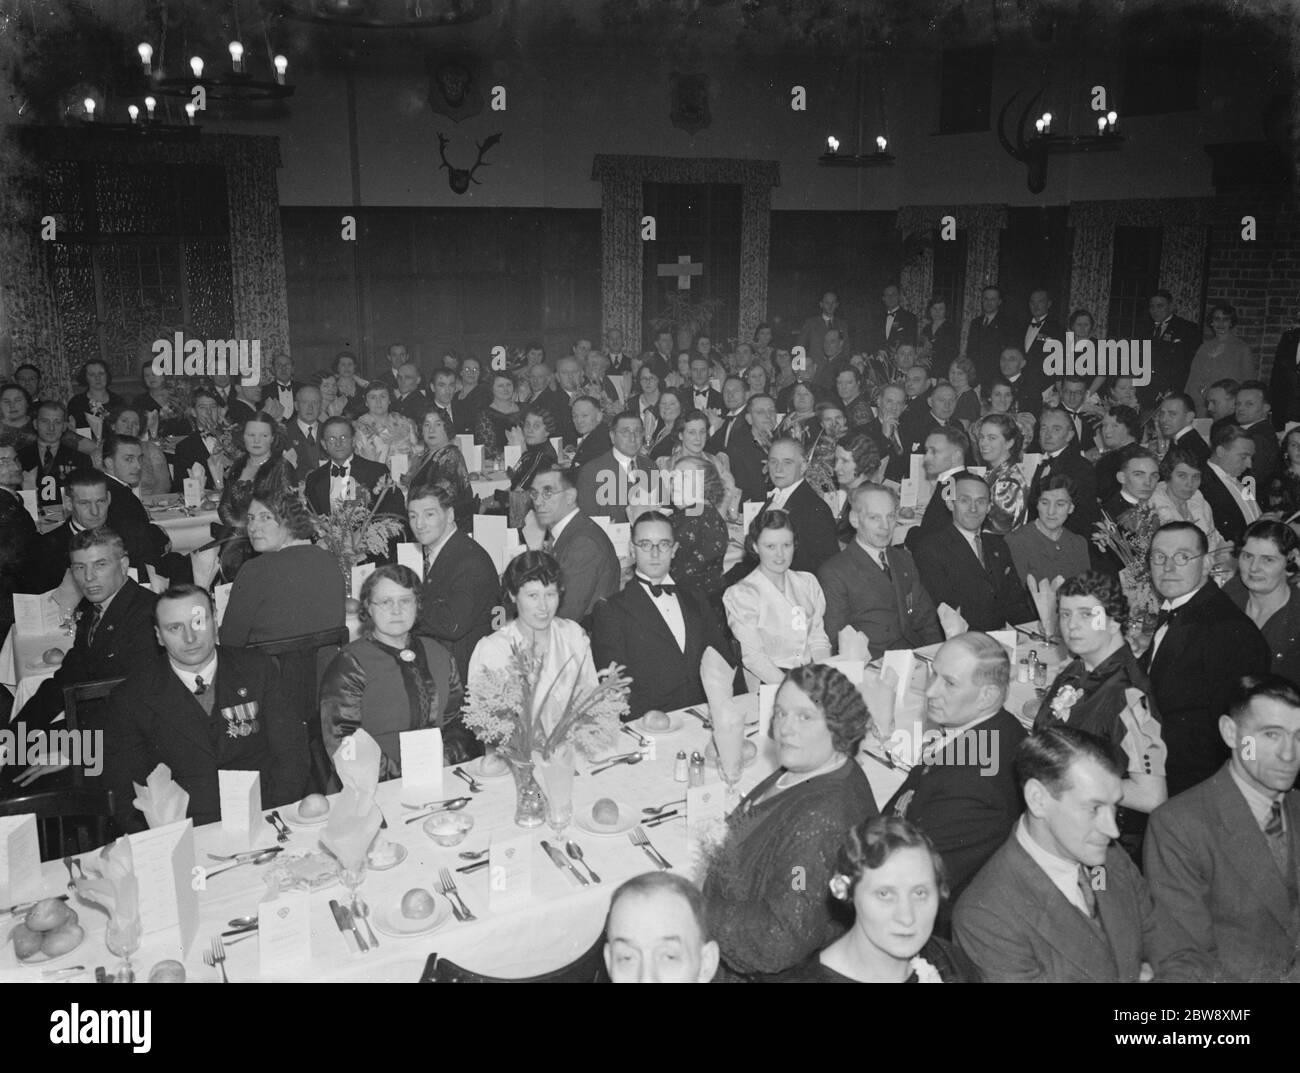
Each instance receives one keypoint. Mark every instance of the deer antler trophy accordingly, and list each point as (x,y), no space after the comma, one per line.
(460,178)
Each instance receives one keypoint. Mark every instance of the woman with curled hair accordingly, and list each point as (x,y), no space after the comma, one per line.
(963,377)
(1285,491)
(1000,439)
(792,823)
(801,419)
(1178,497)
(292,587)
(559,648)
(672,418)
(537,426)
(698,497)
(442,461)
(895,880)
(95,399)
(1096,692)
(774,612)
(1264,587)
(389,680)
(380,433)
(261,463)
(857,461)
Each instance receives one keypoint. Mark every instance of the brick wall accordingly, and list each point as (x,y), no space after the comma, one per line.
(1260,278)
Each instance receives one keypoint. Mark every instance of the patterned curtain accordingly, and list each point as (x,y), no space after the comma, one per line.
(621,179)
(1185,223)
(983,226)
(256,260)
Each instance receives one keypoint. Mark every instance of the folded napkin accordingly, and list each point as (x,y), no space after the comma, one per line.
(853,644)
(355,818)
(160,800)
(114,886)
(718,678)
(197,471)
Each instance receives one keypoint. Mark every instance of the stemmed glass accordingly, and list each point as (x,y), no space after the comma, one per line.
(557,784)
(351,875)
(122,938)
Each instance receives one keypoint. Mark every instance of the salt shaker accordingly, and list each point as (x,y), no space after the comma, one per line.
(681,769)
(697,769)
(1022,674)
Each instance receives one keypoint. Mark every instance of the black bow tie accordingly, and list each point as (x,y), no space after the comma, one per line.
(283,387)
(338,471)
(656,590)
(1036,323)
(1165,616)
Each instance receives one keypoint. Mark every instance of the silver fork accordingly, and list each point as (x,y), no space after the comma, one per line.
(216,957)
(453,895)
(72,879)
(281,835)
(638,837)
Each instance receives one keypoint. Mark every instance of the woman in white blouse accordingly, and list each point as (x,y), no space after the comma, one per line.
(560,648)
(776,613)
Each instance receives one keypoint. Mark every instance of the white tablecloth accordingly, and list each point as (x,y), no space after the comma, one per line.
(484,487)
(21,666)
(187,532)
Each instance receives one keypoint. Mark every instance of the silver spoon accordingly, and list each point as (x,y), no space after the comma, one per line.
(362,910)
(450,802)
(261,858)
(474,855)
(452,806)
(575,851)
(248,853)
(241,922)
(635,758)
(654,810)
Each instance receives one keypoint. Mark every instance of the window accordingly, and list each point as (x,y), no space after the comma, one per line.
(1135,273)
(949,275)
(965,89)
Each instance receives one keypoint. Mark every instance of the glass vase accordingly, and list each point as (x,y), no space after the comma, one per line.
(530,802)
(556,777)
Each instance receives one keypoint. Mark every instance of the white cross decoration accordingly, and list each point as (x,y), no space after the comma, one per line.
(683,270)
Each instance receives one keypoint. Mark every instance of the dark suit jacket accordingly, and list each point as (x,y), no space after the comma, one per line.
(1267,460)
(812,335)
(814,529)
(1208,646)
(413,406)
(1171,358)
(602,489)
(1071,463)
(309,453)
(937,517)
(1018,927)
(271,391)
(50,560)
(1036,355)
(596,444)
(589,569)
(129,520)
(717,440)
(748,465)
(714,401)
(967,800)
(988,596)
(555,400)
(365,472)
(1284,381)
(124,642)
(1210,869)
(1027,389)
(1191,440)
(628,629)
(1228,519)
(460,420)
(903,331)
(460,593)
(893,613)
(153,719)
(31,458)
(189,451)
(984,344)
(19,546)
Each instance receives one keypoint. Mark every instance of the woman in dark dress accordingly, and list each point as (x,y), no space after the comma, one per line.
(791,823)
(698,492)
(96,399)
(444,462)
(16,426)
(389,680)
(940,336)
(961,375)
(672,416)
(1264,588)
(261,464)
(534,435)
(1285,492)
(499,416)
(891,874)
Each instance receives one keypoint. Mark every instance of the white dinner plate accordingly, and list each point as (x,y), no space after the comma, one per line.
(389,920)
(475,770)
(675,723)
(296,818)
(628,818)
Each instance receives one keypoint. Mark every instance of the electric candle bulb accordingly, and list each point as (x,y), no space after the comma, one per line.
(1101,124)
(237,56)
(89,103)
(1112,118)
(881,143)
(833,144)
(133,112)
(190,111)
(149,105)
(196,65)
(281,66)
(146,56)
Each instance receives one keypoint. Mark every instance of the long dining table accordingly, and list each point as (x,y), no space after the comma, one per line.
(560,919)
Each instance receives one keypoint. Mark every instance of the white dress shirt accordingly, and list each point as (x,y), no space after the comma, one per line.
(562,524)
(670,607)
(285,395)
(1031,332)
(1063,874)
(207,672)
(1249,507)
(1169,605)
(339,486)
(781,496)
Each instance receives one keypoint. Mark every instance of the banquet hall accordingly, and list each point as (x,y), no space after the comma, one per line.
(490,491)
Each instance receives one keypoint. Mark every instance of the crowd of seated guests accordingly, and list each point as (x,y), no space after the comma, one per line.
(1146,724)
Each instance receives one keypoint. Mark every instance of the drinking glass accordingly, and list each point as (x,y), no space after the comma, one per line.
(123,939)
(556,776)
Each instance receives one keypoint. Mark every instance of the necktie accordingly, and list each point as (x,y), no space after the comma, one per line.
(49,457)
(979,549)
(548,543)
(1085,888)
(94,625)
(311,434)
(656,590)
(338,471)
(884,566)
(200,686)
(1276,835)
(1158,332)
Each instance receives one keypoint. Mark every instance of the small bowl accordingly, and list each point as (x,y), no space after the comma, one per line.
(448,828)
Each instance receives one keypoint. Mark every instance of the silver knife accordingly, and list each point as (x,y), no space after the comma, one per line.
(347,916)
(562,863)
(341,920)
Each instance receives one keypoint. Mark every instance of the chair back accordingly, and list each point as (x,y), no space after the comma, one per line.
(76,699)
(74,820)
(301,662)
(589,968)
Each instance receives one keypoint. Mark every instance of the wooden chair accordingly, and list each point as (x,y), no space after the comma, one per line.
(301,662)
(587,969)
(75,697)
(67,821)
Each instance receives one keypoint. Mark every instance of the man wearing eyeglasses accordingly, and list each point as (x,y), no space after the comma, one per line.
(344,472)
(589,569)
(609,482)
(657,628)
(1202,645)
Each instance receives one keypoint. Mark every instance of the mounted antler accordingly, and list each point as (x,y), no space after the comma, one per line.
(460,178)
(1033,156)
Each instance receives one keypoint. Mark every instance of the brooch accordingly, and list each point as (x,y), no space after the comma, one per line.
(406,655)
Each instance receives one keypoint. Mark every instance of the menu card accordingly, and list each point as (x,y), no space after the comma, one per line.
(464,441)
(412,555)
(241,804)
(220,598)
(1007,639)
(749,512)
(511,454)
(35,616)
(398,466)
(20,859)
(510,871)
(164,865)
(490,535)
(284,933)
(900,661)
(359,575)
(193,491)
(422,760)
(514,546)
(473,457)
(706,822)
(620,535)
(557,445)
(907,493)
(1028,467)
